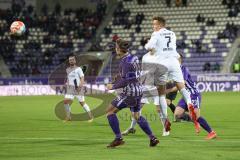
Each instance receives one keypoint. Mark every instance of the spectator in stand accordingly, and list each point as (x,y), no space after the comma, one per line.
(181,44)
(200,18)
(57,38)
(35,70)
(230,3)
(184,2)
(142,2)
(143,41)
(168,2)
(198,45)
(44,9)
(139,18)
(58,9)
(213,23)
(210,22)
(233,6)
(221,35)
(224,2)
(107,30)
(121,15)
(128,23)
(231,32)
(138,29)
(216,67)
(207,66)
(102,7)
(178,3)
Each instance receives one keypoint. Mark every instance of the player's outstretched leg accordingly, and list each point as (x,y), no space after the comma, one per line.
(187,97)
(142,122)
(163,107)
(204,124)
(194,116)
(182,107)
(114,124)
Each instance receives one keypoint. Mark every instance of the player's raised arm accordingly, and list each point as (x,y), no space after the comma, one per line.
(151,45)
(81,77)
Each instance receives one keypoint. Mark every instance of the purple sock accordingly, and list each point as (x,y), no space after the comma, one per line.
(113,122)
(142,122)
(204,124)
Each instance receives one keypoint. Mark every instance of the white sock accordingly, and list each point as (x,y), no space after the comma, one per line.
(68,110)
(163,106)
(163,120)
(86,107)
(186,96)
(133,123)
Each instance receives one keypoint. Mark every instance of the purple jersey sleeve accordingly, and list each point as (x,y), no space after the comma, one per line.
(185,72)
(189,83)
(129,71)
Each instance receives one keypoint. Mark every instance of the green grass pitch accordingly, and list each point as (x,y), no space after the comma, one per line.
(29,130)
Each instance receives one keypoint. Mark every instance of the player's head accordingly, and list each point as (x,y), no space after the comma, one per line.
(122,47)
(72,60)
(158,23)
(180,58)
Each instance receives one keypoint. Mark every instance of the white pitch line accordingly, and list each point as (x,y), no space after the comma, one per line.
(130,139)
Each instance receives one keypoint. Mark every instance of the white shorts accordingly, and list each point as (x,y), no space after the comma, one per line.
(80,98)
(155,100)
(174,69)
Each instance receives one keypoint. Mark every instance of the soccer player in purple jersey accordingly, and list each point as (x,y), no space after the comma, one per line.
(196,100)
(129,71)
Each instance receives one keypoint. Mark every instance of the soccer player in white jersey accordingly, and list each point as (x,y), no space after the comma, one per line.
(148,85)
(163,44)
(75,82)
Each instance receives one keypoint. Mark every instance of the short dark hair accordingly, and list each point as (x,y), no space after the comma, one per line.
(72,55)
(123,45)
(160,20)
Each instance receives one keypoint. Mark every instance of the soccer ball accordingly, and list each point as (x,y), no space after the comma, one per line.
(17,28)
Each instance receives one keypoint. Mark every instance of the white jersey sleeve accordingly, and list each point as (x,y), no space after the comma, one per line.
(80,72)
(152,43)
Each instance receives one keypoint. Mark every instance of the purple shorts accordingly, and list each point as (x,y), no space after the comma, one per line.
(196,101)
(123,101)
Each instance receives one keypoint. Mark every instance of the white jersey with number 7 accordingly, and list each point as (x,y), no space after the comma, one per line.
(163,44)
